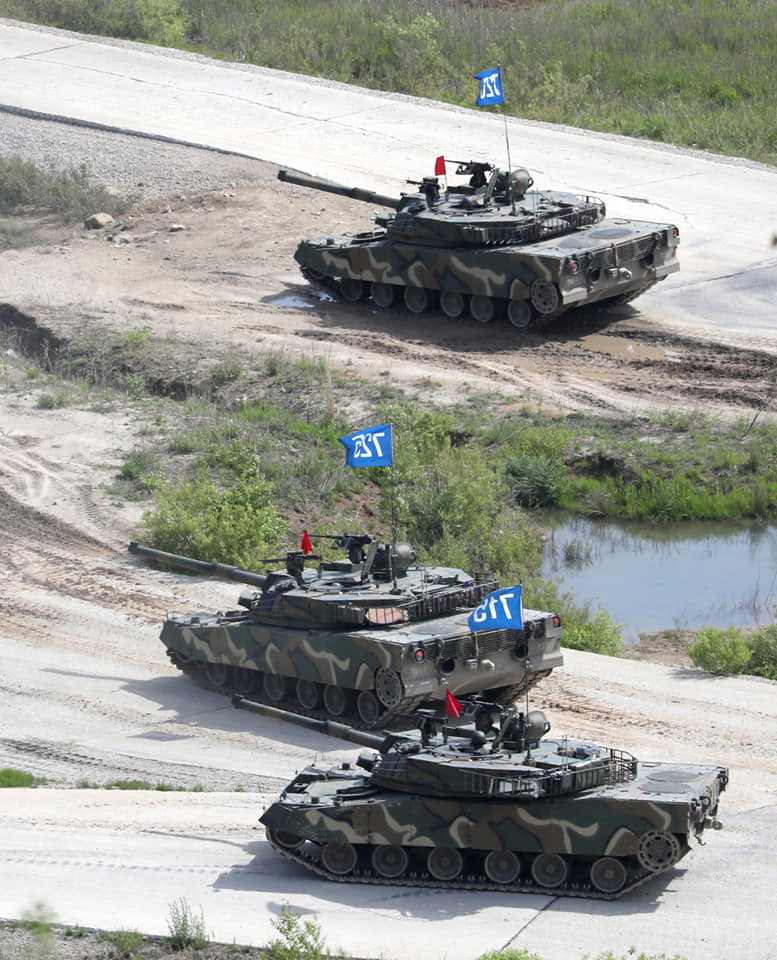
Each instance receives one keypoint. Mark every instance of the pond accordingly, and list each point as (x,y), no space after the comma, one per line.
(682,576)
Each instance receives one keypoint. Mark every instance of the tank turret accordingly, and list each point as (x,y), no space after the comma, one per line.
(491,244)
(490,804)
(367,636)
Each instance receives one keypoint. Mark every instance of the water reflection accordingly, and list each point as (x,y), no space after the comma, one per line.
(656,578)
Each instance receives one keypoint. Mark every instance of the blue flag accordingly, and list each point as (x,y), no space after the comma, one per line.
(501,610)
(490,87)
(373,447)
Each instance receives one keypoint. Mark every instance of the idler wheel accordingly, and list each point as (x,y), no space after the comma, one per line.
(339,858)
(549,870)
(244,680)
(416,299)
(482,309)
(217,674)
(335,700)
(388,687)
(289,841)
(368,707)
(452,303)
(274,686)
(657,850)
(389,861)
(519,313)
(308,694)
(608,874)
(544,296)
(444,863)
(502,866)
(383,295)
(351,290)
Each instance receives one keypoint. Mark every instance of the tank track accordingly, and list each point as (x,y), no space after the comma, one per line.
(422,878)
(196,671)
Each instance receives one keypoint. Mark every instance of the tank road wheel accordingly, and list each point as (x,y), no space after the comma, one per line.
(388,687)
(444,863)
(289,841)
(483,309)
(217,674)
(339,858)
(416,299)
(452,303)
(502,866)
(519,313)
(383,295)
(351,290)
(244,680)
(274,686)
(657,850)
(549,870)
(368,707)
(308,694)
(544,296)
(335,700)
(608,874)
(389,861)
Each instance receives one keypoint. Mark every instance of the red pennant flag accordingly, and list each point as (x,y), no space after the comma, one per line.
(307,546)
(452,705)
(439,167)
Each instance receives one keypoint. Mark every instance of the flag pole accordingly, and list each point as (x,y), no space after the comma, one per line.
(507,138)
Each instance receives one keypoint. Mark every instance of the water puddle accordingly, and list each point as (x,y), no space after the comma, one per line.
(655,578)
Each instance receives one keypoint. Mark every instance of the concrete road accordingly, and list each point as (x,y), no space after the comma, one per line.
(726,208)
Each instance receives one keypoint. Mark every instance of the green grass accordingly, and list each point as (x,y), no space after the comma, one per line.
(698,73)
(9,777)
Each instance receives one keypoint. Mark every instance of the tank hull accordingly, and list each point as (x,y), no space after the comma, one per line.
(616,260)
(401,665)
(601,842)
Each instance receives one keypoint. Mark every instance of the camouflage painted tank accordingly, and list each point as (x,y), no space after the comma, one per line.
(366,637)
(497,809)
(491,245)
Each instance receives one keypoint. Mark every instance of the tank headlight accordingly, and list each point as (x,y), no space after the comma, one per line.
(574,266)
(420,656)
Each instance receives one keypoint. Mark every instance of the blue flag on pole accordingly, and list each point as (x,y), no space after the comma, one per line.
(490,87)
(373,447)
(500,610)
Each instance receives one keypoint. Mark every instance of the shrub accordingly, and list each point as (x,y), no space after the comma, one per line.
(126,942)
(299,939)
(597,634)
(186,929)
(763,652)
(239,525)
(17,778)
(536,481)
(720,651)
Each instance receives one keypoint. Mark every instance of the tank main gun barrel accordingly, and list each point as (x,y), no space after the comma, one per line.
(330,727)
(355,193)
(199,566)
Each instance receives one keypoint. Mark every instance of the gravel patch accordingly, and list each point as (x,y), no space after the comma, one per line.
(135,167)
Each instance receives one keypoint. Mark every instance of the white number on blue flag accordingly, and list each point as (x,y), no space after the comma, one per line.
(500,610)
(490,87)
(369,448)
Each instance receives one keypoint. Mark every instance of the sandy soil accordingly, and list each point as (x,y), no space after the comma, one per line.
(87,694)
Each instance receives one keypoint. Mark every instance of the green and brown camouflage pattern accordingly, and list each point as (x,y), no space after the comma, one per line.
(355,640)
(560,814)
(500,248)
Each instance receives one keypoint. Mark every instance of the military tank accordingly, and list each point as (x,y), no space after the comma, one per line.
(366,637)
(492,807)
(490,245)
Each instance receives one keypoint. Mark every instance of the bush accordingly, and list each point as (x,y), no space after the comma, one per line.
(720,651)
(597,634)
(186,929)
(763,652)
(299,939)
(536,481)
(239,525)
